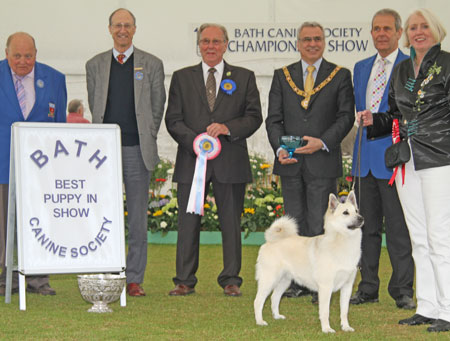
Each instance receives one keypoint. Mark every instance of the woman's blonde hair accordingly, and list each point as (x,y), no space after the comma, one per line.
(437,29)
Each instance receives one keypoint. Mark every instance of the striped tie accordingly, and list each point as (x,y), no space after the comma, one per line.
(21,95)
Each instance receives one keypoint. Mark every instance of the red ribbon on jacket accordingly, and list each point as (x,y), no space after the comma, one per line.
(396,139)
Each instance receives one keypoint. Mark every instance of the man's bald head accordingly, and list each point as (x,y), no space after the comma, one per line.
(21,53)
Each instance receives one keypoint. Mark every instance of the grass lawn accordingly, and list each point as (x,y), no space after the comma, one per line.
(206,315)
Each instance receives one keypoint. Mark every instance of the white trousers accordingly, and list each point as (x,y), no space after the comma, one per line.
(425,199)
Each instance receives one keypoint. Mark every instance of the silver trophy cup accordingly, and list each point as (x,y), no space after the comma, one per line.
(100,290)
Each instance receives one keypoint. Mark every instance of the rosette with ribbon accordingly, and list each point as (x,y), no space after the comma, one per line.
(207,148)
(228,86)
(396,139)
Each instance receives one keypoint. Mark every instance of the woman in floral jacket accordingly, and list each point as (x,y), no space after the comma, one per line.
(419,98)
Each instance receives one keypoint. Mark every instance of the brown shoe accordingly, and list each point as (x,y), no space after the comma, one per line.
(135,290)
(232,290)
(44,290)
(181,290)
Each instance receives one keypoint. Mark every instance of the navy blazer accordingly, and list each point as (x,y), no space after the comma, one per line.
(372,150)
(50,88)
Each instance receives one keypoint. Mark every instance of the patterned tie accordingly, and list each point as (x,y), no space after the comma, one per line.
(120,58)
(211,88)
(309,82)
(379,84)
(21,95)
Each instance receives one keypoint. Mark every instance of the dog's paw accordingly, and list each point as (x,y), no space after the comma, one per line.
(347,328)
(279,317)
(261,323)
(328,330)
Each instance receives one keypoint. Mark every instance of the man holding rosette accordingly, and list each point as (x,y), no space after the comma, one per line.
(313,99)
(221,102)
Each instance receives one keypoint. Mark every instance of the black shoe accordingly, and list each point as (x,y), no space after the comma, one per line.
(314,297)
(405,302)
(296,290)
(417,320)
(3,290)
(360,298)
(44,290)
(439,326)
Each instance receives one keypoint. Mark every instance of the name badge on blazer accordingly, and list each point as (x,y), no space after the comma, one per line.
(138,75)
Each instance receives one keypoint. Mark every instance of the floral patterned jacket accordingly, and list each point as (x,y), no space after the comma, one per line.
(422,106)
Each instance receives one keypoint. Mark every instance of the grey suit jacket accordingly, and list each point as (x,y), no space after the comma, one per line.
(188,115)
(149,97)
(330,116)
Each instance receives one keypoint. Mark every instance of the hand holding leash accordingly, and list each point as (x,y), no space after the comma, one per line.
(366,116)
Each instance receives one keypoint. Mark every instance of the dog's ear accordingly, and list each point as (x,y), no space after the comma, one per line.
(333,202)
(352,199)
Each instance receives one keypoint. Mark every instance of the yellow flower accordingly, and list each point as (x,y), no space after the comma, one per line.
(126,213)
(344,192)
(162,196)
(207,206)
(264,166)
(249,210)
(158,213)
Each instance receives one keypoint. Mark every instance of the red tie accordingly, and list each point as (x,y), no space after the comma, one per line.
(120,58)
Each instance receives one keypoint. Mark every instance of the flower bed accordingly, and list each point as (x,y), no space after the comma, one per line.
(263,201)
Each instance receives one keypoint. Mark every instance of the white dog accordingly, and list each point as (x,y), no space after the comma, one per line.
(324,263)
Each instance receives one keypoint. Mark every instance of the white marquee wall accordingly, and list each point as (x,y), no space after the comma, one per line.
(68,33)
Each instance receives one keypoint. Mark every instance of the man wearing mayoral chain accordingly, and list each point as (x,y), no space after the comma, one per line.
(312,99)
(223,101)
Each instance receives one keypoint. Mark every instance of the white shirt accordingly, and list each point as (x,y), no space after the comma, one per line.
(390,60)
(30,92)
(217,75)
(127,53)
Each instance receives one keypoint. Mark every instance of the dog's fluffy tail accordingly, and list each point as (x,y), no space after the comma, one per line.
(281,228)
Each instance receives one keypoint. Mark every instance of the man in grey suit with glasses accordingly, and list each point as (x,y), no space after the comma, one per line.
(126,87)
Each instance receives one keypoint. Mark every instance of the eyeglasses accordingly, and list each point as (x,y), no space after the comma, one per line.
(120,25)
(317,39)
(215,42)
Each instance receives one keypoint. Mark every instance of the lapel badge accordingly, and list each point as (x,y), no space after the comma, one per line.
(51,110)
(40,83)
(138,75)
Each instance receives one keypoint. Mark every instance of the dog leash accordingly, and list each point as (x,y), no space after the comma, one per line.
(358,165)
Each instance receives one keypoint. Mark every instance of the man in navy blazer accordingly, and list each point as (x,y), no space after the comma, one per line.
(43,99)
(378,200)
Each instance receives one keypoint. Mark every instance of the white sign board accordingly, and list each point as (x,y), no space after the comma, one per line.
(69,198)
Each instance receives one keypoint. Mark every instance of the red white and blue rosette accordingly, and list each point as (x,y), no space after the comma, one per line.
(207,148)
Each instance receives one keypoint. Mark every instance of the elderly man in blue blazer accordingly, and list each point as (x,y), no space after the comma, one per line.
(378,199)
(29,92)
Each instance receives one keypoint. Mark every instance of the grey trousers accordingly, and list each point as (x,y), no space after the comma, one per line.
(136,178)
(32,281)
